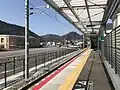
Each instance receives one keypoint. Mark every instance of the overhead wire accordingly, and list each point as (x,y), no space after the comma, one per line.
(96,14)
(96,4)
(43,11)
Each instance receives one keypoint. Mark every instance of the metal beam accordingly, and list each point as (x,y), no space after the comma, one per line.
(83,7)
(70,7)
(90,28)
(57,9)
(88,13)
(93,22)
(112,6)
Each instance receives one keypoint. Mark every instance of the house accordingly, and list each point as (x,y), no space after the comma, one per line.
(17,42)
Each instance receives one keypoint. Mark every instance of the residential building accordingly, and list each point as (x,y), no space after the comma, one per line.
(17,42)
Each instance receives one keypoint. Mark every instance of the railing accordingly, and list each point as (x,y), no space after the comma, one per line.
(12,69)
(112,49)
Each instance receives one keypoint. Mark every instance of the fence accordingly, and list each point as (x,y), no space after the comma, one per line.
(112,49)
(15,66)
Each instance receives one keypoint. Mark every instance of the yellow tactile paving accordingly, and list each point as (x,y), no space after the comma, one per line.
(71,79)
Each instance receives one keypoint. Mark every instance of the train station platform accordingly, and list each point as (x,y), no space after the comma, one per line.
(84,72)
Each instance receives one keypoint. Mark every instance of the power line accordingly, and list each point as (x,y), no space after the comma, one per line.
(43,11)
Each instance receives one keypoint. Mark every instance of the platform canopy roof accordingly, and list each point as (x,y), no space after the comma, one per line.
(86,15)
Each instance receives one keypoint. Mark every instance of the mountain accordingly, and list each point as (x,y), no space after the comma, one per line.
(72,36)
(57,38)
(52,38)
(12,29)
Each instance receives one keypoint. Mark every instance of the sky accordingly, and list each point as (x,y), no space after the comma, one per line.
(47,22)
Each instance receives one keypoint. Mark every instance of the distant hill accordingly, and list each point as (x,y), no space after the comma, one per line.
(52,38)
(72,36)
(12,29)
(57,38)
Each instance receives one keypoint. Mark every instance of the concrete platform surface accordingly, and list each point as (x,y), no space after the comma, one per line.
(95,75)
(54,80)
(84,72)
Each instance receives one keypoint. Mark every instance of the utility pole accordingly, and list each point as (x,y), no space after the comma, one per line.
(26,39)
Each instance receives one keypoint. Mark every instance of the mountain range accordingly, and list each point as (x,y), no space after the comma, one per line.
(12,29)
(57,38)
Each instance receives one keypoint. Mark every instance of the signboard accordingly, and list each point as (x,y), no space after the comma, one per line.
(83,85)
(80,85)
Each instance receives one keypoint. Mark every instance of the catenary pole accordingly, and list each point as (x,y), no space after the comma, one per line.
(26,39)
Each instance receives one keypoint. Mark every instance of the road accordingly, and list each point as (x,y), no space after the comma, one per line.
(32,50)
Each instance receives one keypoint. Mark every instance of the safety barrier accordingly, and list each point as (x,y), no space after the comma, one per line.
(12,69)
(112,49)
